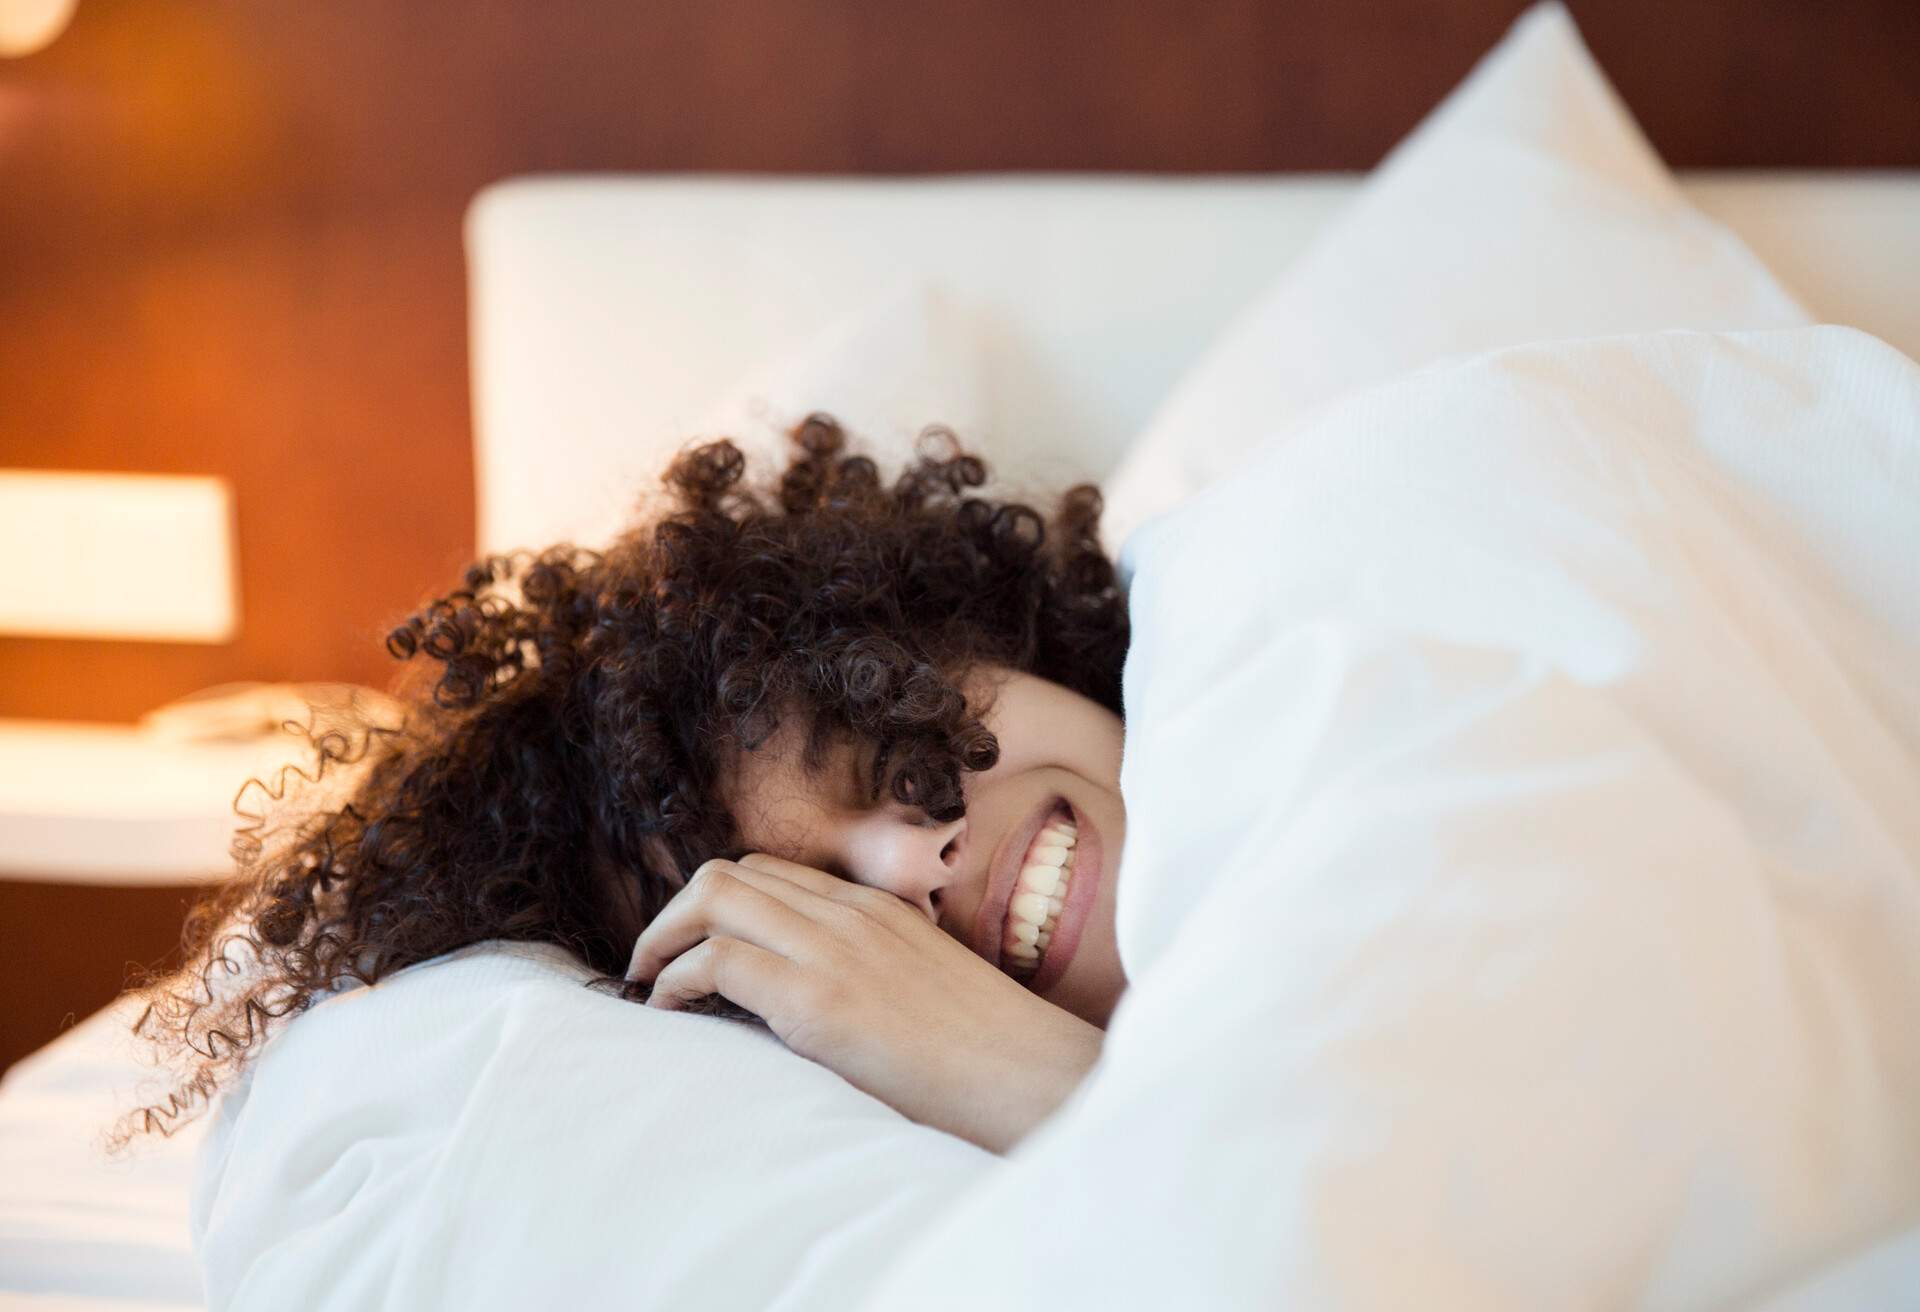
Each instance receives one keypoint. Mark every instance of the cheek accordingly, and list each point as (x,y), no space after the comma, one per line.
(1071,738)
(1031,730)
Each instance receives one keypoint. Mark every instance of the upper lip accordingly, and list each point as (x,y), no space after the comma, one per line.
(1004,870)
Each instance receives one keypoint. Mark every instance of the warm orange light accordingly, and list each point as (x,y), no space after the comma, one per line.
(30,25)
(117,556)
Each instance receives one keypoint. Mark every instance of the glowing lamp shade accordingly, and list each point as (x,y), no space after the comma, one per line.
(117,556)
(30,25)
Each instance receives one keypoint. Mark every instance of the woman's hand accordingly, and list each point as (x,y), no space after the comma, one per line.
(854,978)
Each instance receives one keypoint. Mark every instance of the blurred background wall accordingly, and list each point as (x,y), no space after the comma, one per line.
(230,229)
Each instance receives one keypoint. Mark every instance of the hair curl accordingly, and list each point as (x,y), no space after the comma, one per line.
(553,763)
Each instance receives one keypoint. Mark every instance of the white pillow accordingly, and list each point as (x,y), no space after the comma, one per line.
(1527,207)
(908,359)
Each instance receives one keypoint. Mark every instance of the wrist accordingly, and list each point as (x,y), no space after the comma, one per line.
(1032,1078)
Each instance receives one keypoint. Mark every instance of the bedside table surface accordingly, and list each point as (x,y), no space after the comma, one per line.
(101,803)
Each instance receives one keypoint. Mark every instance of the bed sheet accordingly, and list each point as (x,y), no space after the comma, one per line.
(81,1231)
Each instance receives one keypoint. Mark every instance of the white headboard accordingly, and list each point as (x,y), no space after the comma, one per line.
(611,310)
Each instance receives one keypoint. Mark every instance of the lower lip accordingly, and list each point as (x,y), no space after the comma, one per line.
(1081,889)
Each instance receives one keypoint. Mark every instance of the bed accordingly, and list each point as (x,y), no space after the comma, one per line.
(613,317)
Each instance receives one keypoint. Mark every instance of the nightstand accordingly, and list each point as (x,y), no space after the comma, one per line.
(106,834)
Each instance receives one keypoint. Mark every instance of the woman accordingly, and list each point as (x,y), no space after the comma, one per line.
(843,755)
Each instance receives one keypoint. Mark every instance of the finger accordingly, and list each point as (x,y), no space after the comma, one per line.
(814,881)
(876,903)
(743,973)
(793,884)
(720,900)
(788,881)
(847,892)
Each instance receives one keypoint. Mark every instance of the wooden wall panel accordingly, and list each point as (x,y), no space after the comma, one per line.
(230,229)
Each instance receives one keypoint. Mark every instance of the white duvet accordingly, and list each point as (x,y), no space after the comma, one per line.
(1521,894)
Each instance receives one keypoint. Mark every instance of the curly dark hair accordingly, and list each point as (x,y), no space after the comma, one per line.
(554,768)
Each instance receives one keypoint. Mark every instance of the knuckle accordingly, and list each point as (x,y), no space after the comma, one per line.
(710,875)
(848,915)
(706,870)
(882,907)
(866,898)
(729,965)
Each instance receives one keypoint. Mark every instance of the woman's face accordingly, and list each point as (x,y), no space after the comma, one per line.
(1037,848)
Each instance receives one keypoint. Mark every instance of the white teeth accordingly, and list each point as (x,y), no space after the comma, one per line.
(1044,880)
(1039,896)
(1031,907)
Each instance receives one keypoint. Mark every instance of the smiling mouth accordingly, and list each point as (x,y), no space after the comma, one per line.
(1040,891)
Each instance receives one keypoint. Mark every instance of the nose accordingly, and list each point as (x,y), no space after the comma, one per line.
(917,862)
